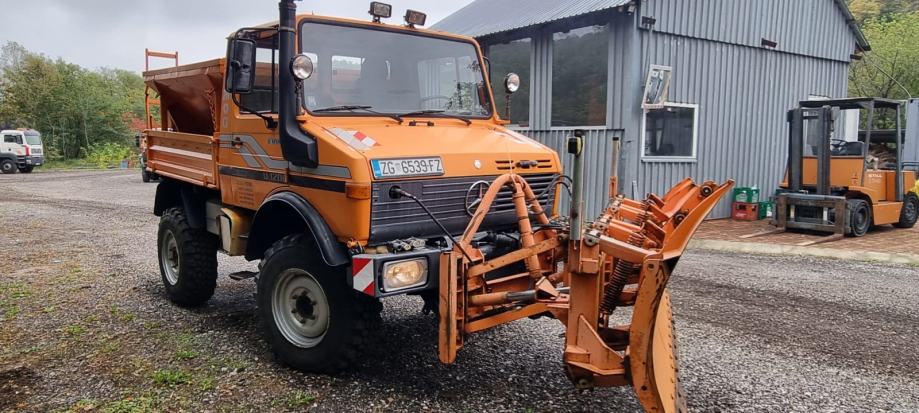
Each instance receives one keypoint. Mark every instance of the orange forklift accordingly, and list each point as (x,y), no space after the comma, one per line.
(840,186)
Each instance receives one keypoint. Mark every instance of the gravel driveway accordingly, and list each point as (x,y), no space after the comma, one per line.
(85,325)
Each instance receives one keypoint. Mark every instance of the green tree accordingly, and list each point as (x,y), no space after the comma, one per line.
(891,69)
(75,109)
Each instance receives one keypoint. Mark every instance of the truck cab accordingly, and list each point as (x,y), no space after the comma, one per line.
(32,147)
(346,155)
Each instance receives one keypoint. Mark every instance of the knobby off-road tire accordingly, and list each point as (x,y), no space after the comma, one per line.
(145,176)
(27,169)
(188,260)
(7,166)
(909,213)
(310,317)
(859,217)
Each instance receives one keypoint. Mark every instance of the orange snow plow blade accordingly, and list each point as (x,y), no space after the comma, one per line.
(580,276)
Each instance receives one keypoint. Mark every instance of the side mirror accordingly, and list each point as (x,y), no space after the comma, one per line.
(240,66)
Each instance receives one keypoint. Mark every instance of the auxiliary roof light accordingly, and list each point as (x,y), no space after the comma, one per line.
(415,18)
(380,10)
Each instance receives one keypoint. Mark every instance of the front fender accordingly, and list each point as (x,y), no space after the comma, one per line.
(286,213)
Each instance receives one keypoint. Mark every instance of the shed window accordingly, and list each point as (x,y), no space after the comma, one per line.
(670,132)
(512,57)
(579,76)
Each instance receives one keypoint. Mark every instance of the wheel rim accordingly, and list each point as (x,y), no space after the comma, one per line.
(7,167)
(169,257)
(300,308)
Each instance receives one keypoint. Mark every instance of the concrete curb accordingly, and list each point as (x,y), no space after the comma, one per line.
(778,249)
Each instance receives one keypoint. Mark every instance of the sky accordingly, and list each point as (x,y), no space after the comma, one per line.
(114,33)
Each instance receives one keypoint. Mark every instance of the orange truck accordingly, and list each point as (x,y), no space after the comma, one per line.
(359,160)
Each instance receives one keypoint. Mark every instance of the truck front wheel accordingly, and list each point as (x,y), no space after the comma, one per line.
(27,169)
(311,318)
(7,166)
(188,260)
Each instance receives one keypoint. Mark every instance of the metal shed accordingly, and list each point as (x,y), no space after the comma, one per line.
(735,67)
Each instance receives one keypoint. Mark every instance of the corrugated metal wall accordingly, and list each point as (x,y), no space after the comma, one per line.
(808,27)
(743,94)
(742,89)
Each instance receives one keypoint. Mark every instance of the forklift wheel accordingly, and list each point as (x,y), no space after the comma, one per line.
(859,217)
(909,212)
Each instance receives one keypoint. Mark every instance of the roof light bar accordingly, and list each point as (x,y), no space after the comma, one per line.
(415,18)
(380,10)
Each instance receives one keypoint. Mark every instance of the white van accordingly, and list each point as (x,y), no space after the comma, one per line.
(30,139)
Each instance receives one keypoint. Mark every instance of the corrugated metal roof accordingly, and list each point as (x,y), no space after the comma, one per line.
(483,17)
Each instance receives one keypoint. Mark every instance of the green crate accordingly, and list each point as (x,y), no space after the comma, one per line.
(766,209)
(746,194)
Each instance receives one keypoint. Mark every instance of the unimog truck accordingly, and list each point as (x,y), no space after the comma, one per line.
(359,160)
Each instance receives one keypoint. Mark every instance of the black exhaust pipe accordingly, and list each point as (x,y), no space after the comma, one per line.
(298,147)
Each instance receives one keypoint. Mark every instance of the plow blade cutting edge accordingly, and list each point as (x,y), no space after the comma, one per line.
(581,275)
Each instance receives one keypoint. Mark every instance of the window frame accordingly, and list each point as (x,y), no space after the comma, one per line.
(695,135)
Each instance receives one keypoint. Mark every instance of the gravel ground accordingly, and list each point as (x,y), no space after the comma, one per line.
(85,325)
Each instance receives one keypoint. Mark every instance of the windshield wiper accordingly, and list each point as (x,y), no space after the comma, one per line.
(352,108)
(436,113)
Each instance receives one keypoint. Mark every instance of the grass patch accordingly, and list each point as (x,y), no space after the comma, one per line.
(171,377)
(74,330)
(207,384)
(131,405)
(187,354)
(122,315)
(10,296)
(300,399)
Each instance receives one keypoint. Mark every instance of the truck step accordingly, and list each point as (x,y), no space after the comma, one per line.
(243,275)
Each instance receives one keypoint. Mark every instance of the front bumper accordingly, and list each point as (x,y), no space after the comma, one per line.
(367,271)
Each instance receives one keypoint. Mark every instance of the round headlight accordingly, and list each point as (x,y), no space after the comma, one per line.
(511,82)
(302,67)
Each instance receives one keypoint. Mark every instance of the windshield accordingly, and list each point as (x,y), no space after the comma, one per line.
(33,139)
(392,72)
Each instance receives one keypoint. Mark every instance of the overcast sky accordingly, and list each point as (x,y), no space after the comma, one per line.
(114,33)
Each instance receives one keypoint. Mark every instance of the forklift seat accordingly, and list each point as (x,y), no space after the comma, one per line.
(850,149)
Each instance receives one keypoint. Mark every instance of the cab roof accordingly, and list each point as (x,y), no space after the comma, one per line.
(368,24)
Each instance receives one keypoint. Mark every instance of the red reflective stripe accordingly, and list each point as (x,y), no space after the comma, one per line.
(358,264)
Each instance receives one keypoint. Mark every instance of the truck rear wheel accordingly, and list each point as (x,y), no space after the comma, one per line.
(859,217)
(145,176)
(188,260)
(311,318)
(7,166)
(909,212)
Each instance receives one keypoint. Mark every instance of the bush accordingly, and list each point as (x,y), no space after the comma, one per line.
(108,155)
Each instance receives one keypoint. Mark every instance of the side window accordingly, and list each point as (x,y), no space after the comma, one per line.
(264,96)
(12,139)
(670,132)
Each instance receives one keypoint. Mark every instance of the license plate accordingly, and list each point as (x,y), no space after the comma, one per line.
(395,168)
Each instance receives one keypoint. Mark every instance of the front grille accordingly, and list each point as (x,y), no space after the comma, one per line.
(402,218)
(508,164)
